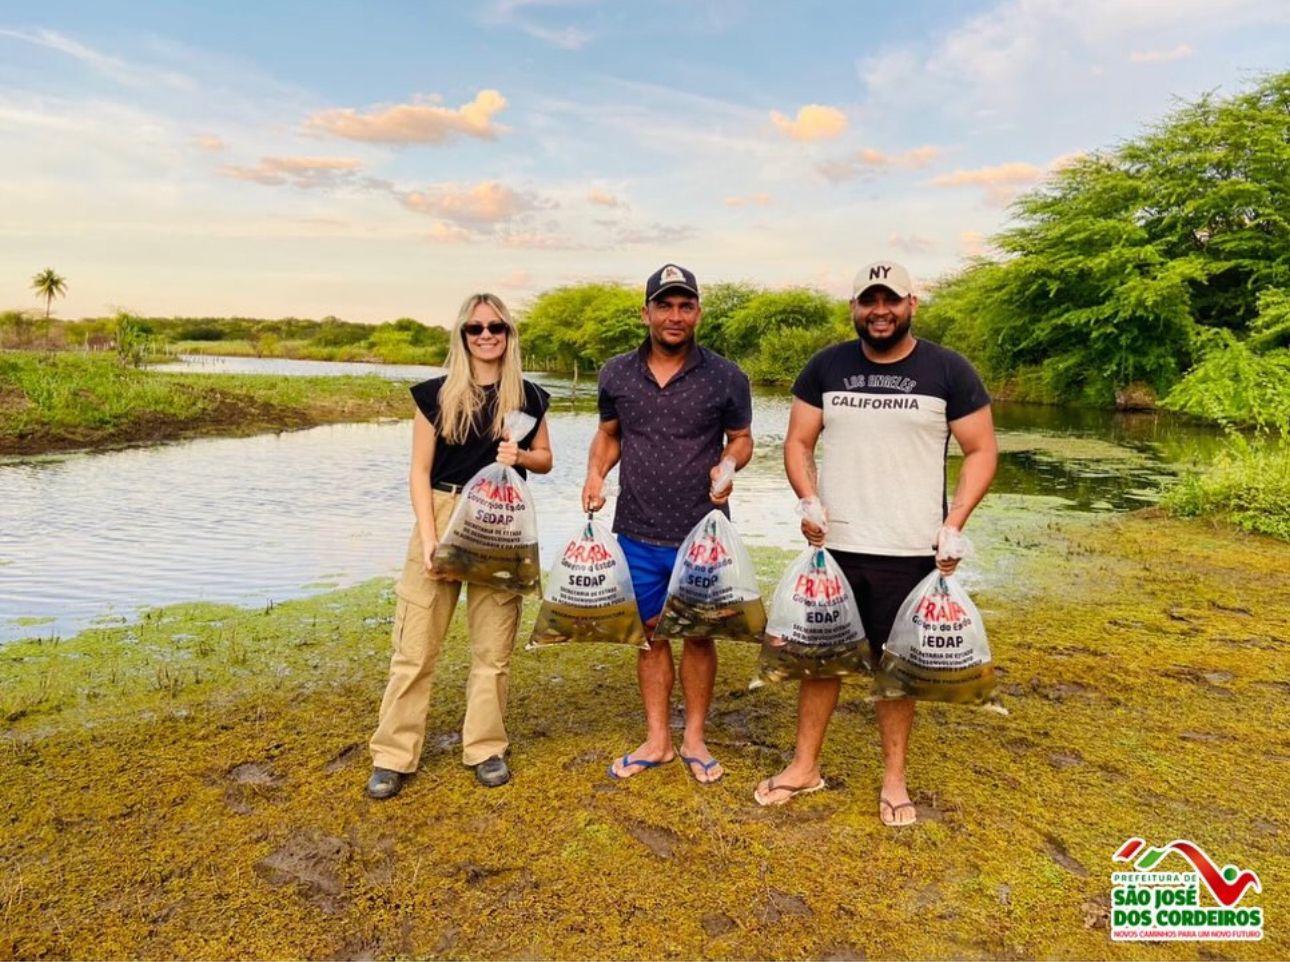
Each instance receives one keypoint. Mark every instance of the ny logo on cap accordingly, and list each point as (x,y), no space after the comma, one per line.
(671,273)
(879,271)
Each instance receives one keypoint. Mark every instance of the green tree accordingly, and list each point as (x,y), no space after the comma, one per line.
(1122,260)
(770,311)
(721,300)
(49,284)
(580,327)
(782,354)
(336,333)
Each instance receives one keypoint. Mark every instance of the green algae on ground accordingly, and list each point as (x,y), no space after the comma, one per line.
(31,621)
(191,785)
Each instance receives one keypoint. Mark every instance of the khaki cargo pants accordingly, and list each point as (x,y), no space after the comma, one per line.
(425,607)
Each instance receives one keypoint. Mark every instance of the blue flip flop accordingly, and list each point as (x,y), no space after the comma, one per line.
(706,766)
(627,761)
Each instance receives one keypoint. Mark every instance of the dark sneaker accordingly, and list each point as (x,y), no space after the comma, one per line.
(492,772)
(384,783)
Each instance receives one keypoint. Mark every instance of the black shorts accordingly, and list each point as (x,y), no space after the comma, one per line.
(881,583)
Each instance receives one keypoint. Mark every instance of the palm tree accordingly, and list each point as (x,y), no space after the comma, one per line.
(49,284)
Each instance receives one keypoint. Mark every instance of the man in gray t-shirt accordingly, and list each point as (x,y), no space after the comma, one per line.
(883,408)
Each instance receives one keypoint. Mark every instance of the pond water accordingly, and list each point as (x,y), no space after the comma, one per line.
(91,538)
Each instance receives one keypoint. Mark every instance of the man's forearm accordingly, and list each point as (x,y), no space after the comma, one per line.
(974,481)
(604,454)
(739,450)
(799,465)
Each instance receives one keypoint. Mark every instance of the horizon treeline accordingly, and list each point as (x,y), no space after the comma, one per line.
(402,341)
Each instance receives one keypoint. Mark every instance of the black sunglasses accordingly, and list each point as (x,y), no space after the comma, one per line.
(493,327)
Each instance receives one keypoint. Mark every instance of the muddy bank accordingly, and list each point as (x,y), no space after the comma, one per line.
(63,401)
(224,414)
(191,785)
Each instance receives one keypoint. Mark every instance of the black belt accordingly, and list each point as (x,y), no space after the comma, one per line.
(449,488)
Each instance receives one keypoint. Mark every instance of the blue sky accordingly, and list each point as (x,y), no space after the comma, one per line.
(381,160)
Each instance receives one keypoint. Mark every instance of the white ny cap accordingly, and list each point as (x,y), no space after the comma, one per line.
(887,274)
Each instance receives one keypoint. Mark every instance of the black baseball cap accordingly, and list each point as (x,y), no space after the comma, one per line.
(670,277)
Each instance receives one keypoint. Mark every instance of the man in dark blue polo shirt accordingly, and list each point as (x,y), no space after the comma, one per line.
(670,413)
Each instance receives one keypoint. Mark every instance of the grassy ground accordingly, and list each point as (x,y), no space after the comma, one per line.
(309,351)
(191,785)
(60,400)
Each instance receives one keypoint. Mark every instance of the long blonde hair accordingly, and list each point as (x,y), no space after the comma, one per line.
(460,398)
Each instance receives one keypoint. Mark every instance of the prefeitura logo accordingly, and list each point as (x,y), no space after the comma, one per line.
(1148,904)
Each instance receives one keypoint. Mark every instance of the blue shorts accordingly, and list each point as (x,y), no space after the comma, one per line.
(651,570)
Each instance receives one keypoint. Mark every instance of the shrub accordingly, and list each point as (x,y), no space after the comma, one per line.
(1247,485)
(132,340)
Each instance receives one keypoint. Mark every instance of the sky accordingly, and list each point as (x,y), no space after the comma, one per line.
(381,160)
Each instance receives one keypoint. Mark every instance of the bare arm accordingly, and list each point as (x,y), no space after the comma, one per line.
(975,435)
(738,450)
(739,447)
(805,422)
(538,458)
(606,447)
(423,440)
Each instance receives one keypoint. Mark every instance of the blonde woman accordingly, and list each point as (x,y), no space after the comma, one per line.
(457,430)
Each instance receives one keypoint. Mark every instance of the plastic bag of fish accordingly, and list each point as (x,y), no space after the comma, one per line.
(937,650)
(589,595)
(815,629)
(713,592)
(492,537)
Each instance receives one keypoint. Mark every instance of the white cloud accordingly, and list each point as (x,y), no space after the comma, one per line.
(1003,182)
(813,122)
(1006,175)
(518,280)
(685,130)
(1012,62)
(209,142)
(442,232)
(655,234)
(519,14)
(537,240)
(488,202)
(869,160)
(297,171)
(603,198)
(1066,160)
(111,67)
(751,200)
(415,123)
(1161,56)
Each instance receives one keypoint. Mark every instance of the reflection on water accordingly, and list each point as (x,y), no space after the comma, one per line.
(248,520)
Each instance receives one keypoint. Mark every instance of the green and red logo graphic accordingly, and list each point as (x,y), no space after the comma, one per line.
(1149,903)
